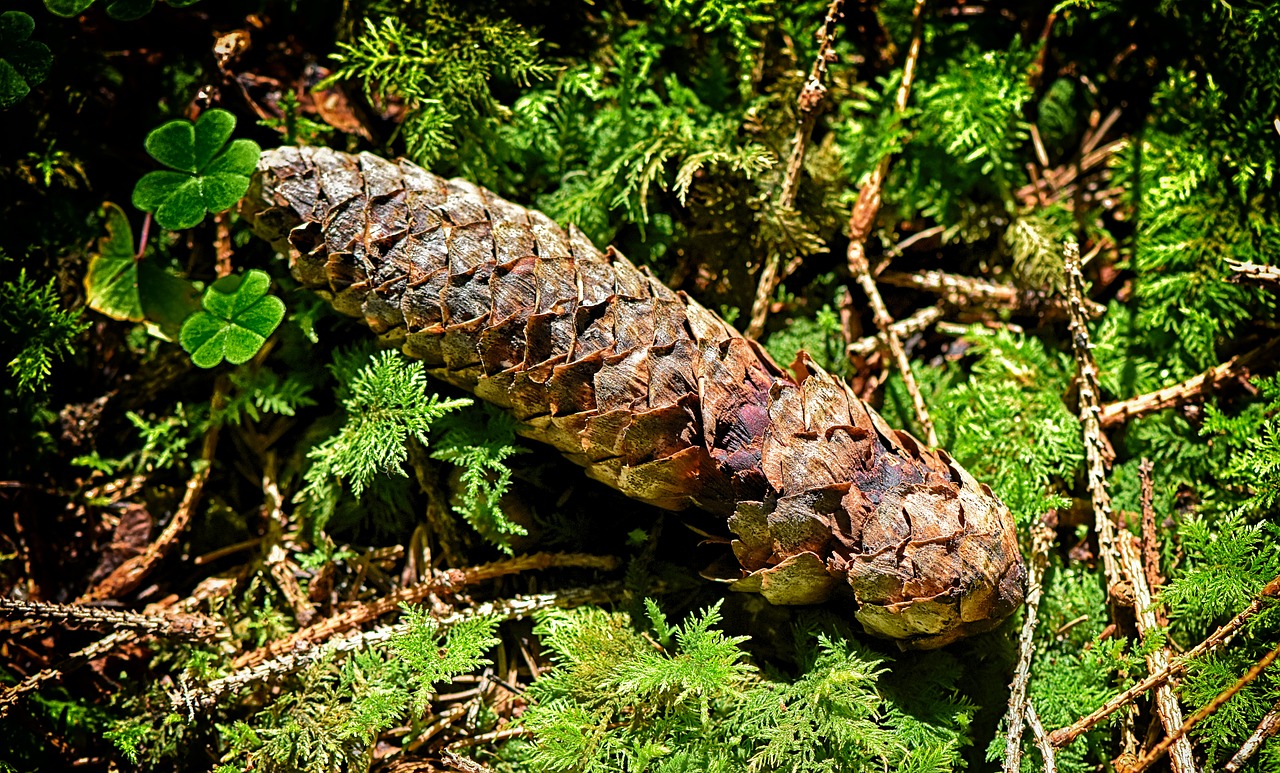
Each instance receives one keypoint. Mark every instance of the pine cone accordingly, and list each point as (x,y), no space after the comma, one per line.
(649,391)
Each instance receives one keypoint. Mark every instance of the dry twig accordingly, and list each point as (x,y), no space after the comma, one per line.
(1181,759)
(452,580)
(903,328)
(1266,728)
(1041,739)
(861,219)
(1019,706)
(809,101)
(1150,539)
(277,558)
(962,291)
(1159,749)
(1200,386)
(12,695)
(1063,736)
(1096,450)
(192,698)
(183,627)
(1254,273)
(130,574)
(213,586)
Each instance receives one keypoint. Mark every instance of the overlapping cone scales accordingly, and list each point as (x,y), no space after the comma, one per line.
(650,392)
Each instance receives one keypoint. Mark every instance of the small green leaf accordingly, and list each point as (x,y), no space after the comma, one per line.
(154,187)
(67,7)
(123,10)
(238,317)
(124,287)
(212,131)
(173,144)
(183,207)
(23,62)
(210,177)
(128,10)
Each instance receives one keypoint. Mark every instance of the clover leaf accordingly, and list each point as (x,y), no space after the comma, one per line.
(23,63)
(238,317)
(67,7)
(209,177)
(124,10)
(126,286)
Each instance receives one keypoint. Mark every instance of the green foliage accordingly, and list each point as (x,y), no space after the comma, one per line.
(239,315)
(1228,563)
(626,135)
(387,403)
(124,10)
(684,699)
(820,337)
(165,439)
(1253,437)
(479,443)
(440,59)
(605,670)
(37,330)
(295,127)
(209,176)
(332,722)
(829,721)
(260,391)
(127,286)
(24,63)
(1005,421)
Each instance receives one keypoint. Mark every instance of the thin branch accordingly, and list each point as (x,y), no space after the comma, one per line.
(1196,387)
(131,573)
(809,102)
(1057,182)
(1041,739)
(142,240)
(1150,538)
(1064,736)
(903,328)
(12,695)
(1181,759)
(209,588)
(1254,273)
(958,290)
(277,556)
(452,580)
(495,735)
(1041,543)
(1266,728)
(962,291)
(182,627)
(193,698)
(1206,710)
(861,219)
(897,250)
(1095,448)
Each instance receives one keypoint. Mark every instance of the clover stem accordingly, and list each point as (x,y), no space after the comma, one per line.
(142,242)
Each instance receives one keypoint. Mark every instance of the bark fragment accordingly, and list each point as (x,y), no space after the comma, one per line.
(649,391)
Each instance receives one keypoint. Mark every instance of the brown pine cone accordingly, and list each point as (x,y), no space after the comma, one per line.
(649,391)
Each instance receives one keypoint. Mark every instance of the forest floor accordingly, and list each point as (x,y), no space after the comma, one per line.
(239,532)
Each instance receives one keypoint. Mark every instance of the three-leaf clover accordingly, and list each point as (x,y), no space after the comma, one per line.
(210,178)
(23,62)
(124,10)
(238,317)
(124,285)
